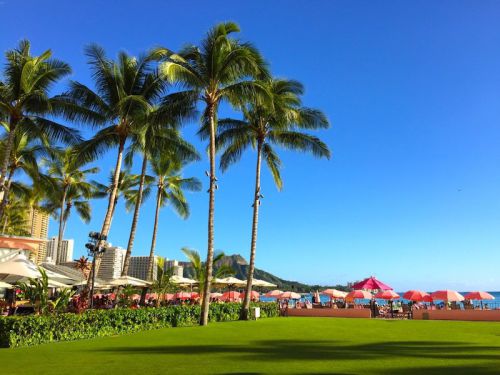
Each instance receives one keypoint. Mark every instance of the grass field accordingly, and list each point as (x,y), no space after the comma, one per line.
(276,346)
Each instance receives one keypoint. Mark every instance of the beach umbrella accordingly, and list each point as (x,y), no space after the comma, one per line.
(289,295)
(169,297)
(185,295)
(5,285)
(215,295)
(447,295)
(129,280)
(263,284)
(229,281)
(427,298)
(111,296)
(151,295)
(253,295)
(415,295)
(175,279)
(273,293)
(387,294)
(478,296)
(230,296)
(359,294)
(135,296)
(371,283)
(334,293)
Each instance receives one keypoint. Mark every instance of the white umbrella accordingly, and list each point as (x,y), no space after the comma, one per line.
(129,280)
(233,281)
(175,279)
(5,285)
(18,267)
(263,283)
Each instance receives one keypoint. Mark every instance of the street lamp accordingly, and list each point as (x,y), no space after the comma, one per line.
(95,247)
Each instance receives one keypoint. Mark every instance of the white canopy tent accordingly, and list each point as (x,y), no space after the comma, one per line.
(182,280)
(129,280)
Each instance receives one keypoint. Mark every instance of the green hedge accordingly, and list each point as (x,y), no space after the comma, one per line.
(33,330)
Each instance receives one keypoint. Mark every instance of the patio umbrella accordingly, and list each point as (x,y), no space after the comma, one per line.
(182,280)
(273,293)
(253,295)
(427,298)
(447,295)
(334,293)
(169,296)
(230,281)
(387,294)
(230,296)
(135,296)
(359,294)
(415,295)
(129,280)
(18,267)
(184,295)
(215,295)
(263,284)
(478,296)
(289,295)
(371,283)
(5,285)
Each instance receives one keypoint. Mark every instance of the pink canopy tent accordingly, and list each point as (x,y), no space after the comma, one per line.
(416,295)
(371,283)
(230,296)
(387,294)
(447,295)
(478,296)
(186,295)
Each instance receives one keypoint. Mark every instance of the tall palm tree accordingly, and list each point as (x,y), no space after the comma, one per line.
(67,178)
(170,190)
(199,269)
(219,70)
(280,121)
(25,100)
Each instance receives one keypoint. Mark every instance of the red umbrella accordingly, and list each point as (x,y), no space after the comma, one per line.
(447,295)
(371,283)
(427,298)
(478,296)
(230,296)
(152,295)
(253,295)
(387,294)
(274,293)
(359,294)
(184,295)
(111,295)
(415,295)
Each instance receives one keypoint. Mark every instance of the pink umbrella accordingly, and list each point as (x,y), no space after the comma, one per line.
(447,295)
(478,296)
(334,293)
(169,297)
(371,283)
(274,293)
(151,296)
(387,294)
(253,295)
(415,295)
(183,295)
(359,294)
(289,295)
(230,296)
(215,295)
(135,296)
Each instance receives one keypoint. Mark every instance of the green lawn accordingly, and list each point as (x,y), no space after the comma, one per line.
(272,346)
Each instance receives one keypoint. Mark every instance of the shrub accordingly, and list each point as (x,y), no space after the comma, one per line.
(19,331)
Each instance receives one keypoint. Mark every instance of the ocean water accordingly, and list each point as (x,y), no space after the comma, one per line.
(308,297)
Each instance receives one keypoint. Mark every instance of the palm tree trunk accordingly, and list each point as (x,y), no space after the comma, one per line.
(211,208)
(5,197)
(153,240)
(111,206)
(253,244)
(6,157)
(135,219)
(61,221)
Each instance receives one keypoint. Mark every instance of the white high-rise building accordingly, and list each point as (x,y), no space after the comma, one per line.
(139,267)
(62,255)
(112,263)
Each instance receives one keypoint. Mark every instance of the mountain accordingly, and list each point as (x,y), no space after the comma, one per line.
(240,267)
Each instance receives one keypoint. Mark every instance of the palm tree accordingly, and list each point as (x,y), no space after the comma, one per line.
(199,269)
(24,100)
(219,70)
(279,122)
(170,186)
(66,179)
(83,265)
(126,89)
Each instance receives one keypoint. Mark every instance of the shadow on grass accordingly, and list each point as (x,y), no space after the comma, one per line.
(284,350)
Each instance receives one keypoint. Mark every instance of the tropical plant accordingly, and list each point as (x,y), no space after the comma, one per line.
(60,304)
(170,190)
(219,70)
(162,284)
(25,100)
(36,290)
(125,296)
(15,218)
(200,270)
(83,265)
(67,184)
(279,121)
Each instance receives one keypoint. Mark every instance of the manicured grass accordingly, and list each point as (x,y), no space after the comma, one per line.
(276,346)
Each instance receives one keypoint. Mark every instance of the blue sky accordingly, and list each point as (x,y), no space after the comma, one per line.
(412,89)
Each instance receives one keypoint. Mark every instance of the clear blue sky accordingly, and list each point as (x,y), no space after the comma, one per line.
(412,193)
